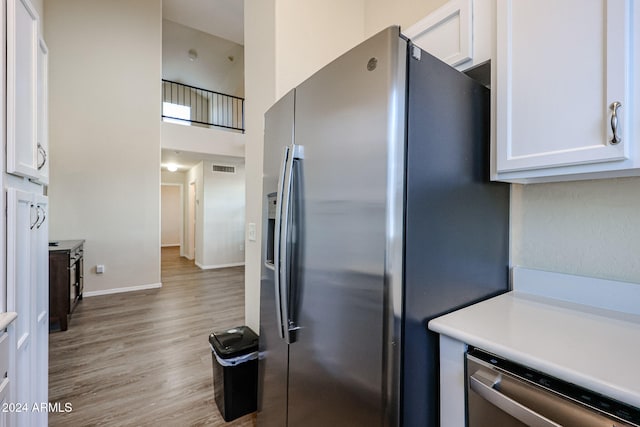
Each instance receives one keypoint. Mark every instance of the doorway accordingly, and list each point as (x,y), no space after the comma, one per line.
(171,215)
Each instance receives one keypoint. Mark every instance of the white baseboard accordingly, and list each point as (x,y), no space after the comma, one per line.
(120,290)
(213,267)
(170,245)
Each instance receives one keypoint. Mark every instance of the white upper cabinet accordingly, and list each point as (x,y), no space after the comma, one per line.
(446,33)
(460,32)
(563,75)
(23,51)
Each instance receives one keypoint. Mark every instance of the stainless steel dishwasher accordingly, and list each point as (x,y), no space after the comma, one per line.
(501,393)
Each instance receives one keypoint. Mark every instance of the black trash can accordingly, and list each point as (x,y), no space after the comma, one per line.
(235,371)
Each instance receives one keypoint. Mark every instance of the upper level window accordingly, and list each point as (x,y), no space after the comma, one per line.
(172,113)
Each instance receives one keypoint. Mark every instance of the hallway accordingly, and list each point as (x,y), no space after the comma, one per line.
(142,358)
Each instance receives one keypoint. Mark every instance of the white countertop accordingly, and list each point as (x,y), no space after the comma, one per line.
(592,347)
(6,318)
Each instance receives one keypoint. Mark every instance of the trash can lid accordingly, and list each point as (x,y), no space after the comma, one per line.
(234,342)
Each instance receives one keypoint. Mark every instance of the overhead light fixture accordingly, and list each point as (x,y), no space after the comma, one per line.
(172,167)
(193,55)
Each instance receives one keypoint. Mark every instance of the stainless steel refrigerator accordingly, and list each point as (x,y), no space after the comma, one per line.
(378,216)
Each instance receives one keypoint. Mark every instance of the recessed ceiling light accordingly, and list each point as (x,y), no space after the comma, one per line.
(171,167)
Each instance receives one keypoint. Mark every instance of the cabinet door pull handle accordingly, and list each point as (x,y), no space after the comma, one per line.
(37,217)
(614,123)
(43,152)
(44,216)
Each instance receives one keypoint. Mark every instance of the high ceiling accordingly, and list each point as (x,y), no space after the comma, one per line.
(218,64)
(222,18)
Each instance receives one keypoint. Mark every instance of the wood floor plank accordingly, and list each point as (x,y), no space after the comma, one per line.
(142,358)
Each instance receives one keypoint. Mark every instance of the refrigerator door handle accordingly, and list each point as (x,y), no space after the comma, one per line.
(284,269)
(278,242)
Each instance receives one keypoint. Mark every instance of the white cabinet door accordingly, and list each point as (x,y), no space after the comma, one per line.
(561,65)
(21,219)
(42,135)
(446,33)
(28,295)
(22,98)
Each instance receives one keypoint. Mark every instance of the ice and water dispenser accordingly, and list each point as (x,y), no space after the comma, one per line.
(271,224)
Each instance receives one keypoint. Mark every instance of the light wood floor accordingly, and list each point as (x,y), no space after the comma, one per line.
(143,358)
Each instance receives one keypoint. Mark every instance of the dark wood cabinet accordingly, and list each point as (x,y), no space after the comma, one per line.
(66,280)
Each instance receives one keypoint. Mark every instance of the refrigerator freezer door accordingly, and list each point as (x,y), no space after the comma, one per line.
(349,121)
(274,353)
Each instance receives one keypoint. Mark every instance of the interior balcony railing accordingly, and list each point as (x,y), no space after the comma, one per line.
(192,105)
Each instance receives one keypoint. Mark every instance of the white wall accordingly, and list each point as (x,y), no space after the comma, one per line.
(104,140)
(310,34)
(589,228)
(379,14)
(203,140)
(260,57)
(171,202)
(223,216)
(220,203)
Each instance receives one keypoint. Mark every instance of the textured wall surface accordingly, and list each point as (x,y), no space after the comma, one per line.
(588,228)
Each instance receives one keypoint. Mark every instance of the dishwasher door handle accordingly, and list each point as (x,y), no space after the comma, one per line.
(484,382)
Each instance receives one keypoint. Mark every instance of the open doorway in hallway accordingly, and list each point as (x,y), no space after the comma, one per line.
(171,216)
(212,205)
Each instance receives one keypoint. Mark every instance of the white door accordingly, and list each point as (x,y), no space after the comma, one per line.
(171,208)
(561,65)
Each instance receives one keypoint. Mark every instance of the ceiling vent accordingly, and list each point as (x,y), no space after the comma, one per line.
(224,169)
